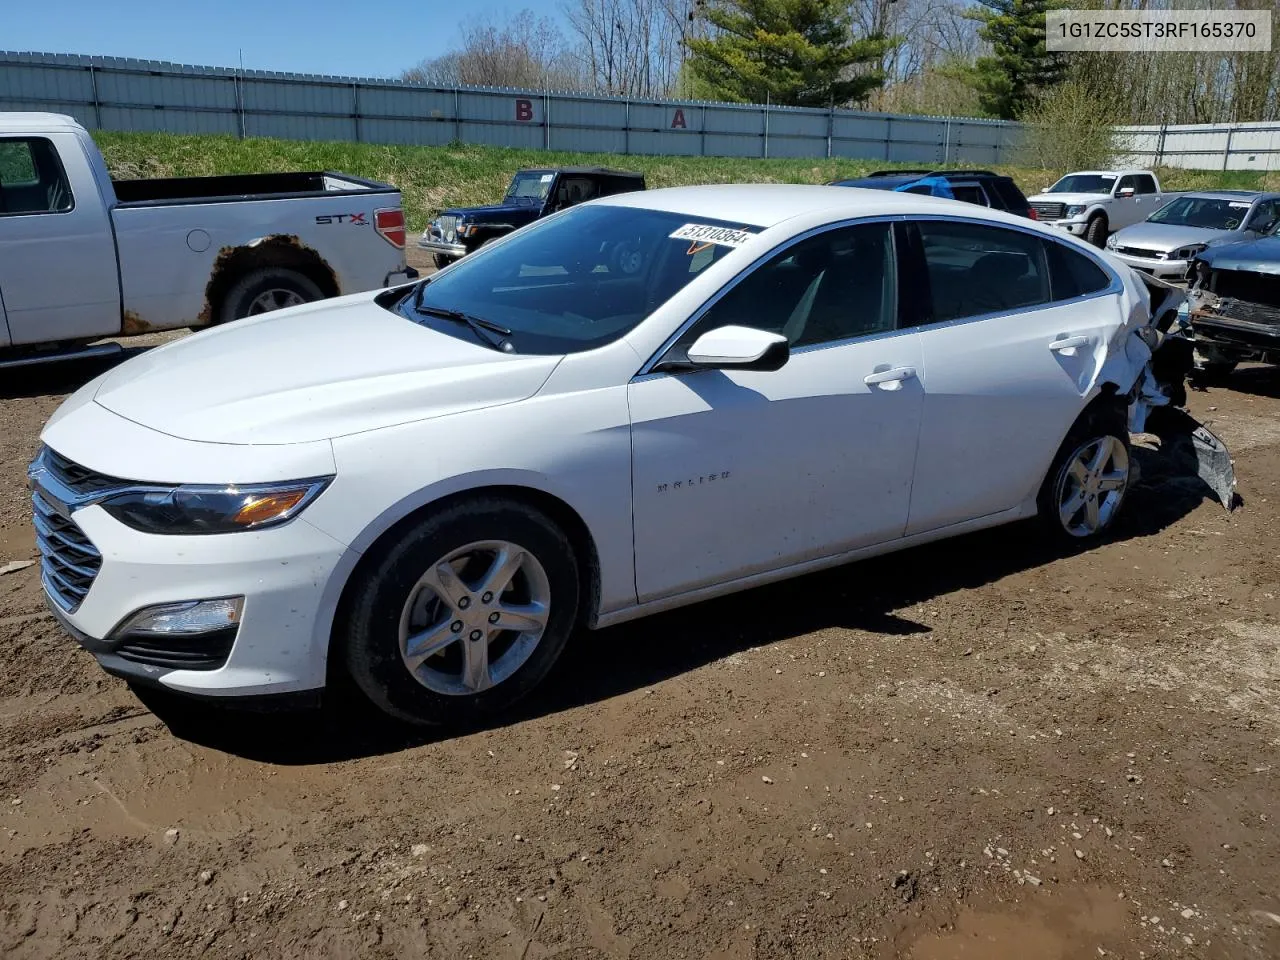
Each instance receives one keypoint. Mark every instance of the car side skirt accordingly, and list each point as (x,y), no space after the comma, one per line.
(1021,512)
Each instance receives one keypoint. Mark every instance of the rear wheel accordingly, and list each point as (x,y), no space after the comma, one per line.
(1096,231)
(272,288)
(464,614)
(441,260)
(1086,485)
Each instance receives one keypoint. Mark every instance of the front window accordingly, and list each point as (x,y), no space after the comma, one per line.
(530,187)
(1203,212)
(576,281)
(1084,183)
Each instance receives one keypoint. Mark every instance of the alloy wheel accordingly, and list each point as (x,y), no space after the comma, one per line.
(1091,486)
(474,617)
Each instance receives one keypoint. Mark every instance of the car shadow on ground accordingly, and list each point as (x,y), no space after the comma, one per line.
(61,377)
(872,595)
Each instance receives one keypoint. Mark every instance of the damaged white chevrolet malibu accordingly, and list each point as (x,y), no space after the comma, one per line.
(635,404)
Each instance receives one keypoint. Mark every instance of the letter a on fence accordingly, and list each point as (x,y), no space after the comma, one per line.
(677,121)
(524,110)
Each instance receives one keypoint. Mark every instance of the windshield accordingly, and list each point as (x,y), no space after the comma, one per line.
(1084,183)
(530,186)
(1202,212)
(579,280)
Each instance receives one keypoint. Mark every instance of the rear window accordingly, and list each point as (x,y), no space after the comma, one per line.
(1072,274)
(1010,196)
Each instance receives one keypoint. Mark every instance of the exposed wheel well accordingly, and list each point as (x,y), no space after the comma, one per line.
(282,251)
(563,515)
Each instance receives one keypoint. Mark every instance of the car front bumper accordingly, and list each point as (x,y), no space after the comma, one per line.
(1164,269)
(1074,227)
(443,248)
(280,644)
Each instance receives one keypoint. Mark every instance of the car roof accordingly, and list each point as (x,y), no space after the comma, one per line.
(909,176)
(36,121)
(769,204)
(1230,194)
(584,171)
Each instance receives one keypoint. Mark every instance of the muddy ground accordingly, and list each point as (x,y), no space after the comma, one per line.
(980,749)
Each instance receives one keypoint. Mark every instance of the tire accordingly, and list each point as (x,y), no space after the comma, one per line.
(441,261)
(400,597)
(1099,438)
(252,293)
(1096,230)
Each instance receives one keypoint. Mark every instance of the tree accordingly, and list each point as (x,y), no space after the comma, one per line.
(796,52)
(528,51)
(1020,67)
(630,48)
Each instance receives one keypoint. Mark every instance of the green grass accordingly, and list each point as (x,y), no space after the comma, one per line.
(432,178)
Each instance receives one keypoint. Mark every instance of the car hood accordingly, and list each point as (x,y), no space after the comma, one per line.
(1068,198)
(495,212)
(314,372)
(1166,236)
(1254,256)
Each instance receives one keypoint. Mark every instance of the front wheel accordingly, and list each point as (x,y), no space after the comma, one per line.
(1086,485)
(464,614)
(1096,231)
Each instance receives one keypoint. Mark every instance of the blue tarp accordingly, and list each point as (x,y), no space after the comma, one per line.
(937,187)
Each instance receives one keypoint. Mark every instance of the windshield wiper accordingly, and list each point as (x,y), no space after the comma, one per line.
(479,325)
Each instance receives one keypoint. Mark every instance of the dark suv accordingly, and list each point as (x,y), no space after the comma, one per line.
(532,194)
(982,187)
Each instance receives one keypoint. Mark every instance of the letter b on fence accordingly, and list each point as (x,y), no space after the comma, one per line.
(524,110)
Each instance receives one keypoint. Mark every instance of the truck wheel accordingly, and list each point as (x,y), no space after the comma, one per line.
(1096,231)
(441,261)
(464,614)
(262,291)
(1085,487)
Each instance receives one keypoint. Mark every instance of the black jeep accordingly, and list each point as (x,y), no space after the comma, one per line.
(533,194)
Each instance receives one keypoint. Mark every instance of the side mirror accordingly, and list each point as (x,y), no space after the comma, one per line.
(739,348)
(1125,192)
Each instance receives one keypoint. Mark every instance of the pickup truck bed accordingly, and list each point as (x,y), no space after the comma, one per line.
(83,257)
(244,186)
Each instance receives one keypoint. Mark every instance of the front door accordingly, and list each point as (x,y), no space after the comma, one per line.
(737,473)
(57,256)
(1014,332)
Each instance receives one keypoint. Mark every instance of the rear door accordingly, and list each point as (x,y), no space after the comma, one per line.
(57,255)
(1013,330)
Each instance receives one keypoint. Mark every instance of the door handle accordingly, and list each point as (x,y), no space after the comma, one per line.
(1068,343)
(895,375)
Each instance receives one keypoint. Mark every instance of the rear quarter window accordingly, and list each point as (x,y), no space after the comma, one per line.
(1011,197)
(1073,274)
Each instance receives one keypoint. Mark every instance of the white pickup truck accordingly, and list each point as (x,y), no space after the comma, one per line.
(83,258)
(1095,203)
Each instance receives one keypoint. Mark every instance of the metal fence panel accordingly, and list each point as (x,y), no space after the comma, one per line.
(126,94)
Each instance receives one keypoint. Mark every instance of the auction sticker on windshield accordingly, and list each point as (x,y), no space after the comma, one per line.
(706,233)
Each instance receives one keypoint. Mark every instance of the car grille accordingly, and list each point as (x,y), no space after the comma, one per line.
(69,562)
(1143,252)
(208,652)
(1048,211)
(446,228)
(78,478)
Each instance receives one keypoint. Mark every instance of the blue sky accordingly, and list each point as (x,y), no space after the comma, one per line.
(368,38)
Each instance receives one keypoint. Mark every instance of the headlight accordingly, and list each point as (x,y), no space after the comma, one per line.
(1187,252)
(195,508)
(464,229)
(1112,242)
(1075,209)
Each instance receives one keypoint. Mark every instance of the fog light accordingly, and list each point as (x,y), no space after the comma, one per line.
(189,619)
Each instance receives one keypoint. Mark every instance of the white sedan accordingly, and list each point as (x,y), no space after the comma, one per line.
(636,404)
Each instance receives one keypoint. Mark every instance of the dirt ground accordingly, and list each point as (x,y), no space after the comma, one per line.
(979,749)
